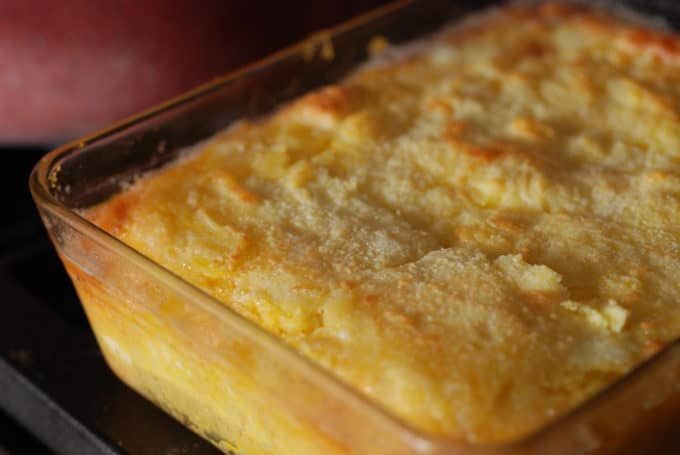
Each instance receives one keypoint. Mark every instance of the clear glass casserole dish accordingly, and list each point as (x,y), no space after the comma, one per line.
(148,320)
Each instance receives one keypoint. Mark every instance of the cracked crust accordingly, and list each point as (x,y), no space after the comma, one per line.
(503,198)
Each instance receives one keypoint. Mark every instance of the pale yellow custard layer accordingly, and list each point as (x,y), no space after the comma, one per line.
(479,232)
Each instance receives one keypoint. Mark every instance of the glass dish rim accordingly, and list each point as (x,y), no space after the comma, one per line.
(39,186)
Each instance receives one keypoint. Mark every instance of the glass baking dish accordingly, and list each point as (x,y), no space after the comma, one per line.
(233,383)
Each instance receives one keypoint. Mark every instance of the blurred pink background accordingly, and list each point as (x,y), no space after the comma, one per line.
(72,66)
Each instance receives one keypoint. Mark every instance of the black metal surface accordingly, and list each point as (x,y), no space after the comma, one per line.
(16,439)
(53,380)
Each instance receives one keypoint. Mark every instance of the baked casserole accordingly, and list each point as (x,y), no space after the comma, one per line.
(478,231)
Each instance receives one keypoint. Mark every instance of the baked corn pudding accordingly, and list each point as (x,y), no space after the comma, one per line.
(478,231)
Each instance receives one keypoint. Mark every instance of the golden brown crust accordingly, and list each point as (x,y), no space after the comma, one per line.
(660,43)
(222,177)
(113,216)
(504,196)
(326,106)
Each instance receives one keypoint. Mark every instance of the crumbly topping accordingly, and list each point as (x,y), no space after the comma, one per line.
(472,233)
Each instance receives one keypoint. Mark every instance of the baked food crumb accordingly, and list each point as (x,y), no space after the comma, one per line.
(479,234)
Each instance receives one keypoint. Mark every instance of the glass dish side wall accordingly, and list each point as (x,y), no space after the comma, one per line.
(240,388)
(226,380)
(243,383)
(255,394)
